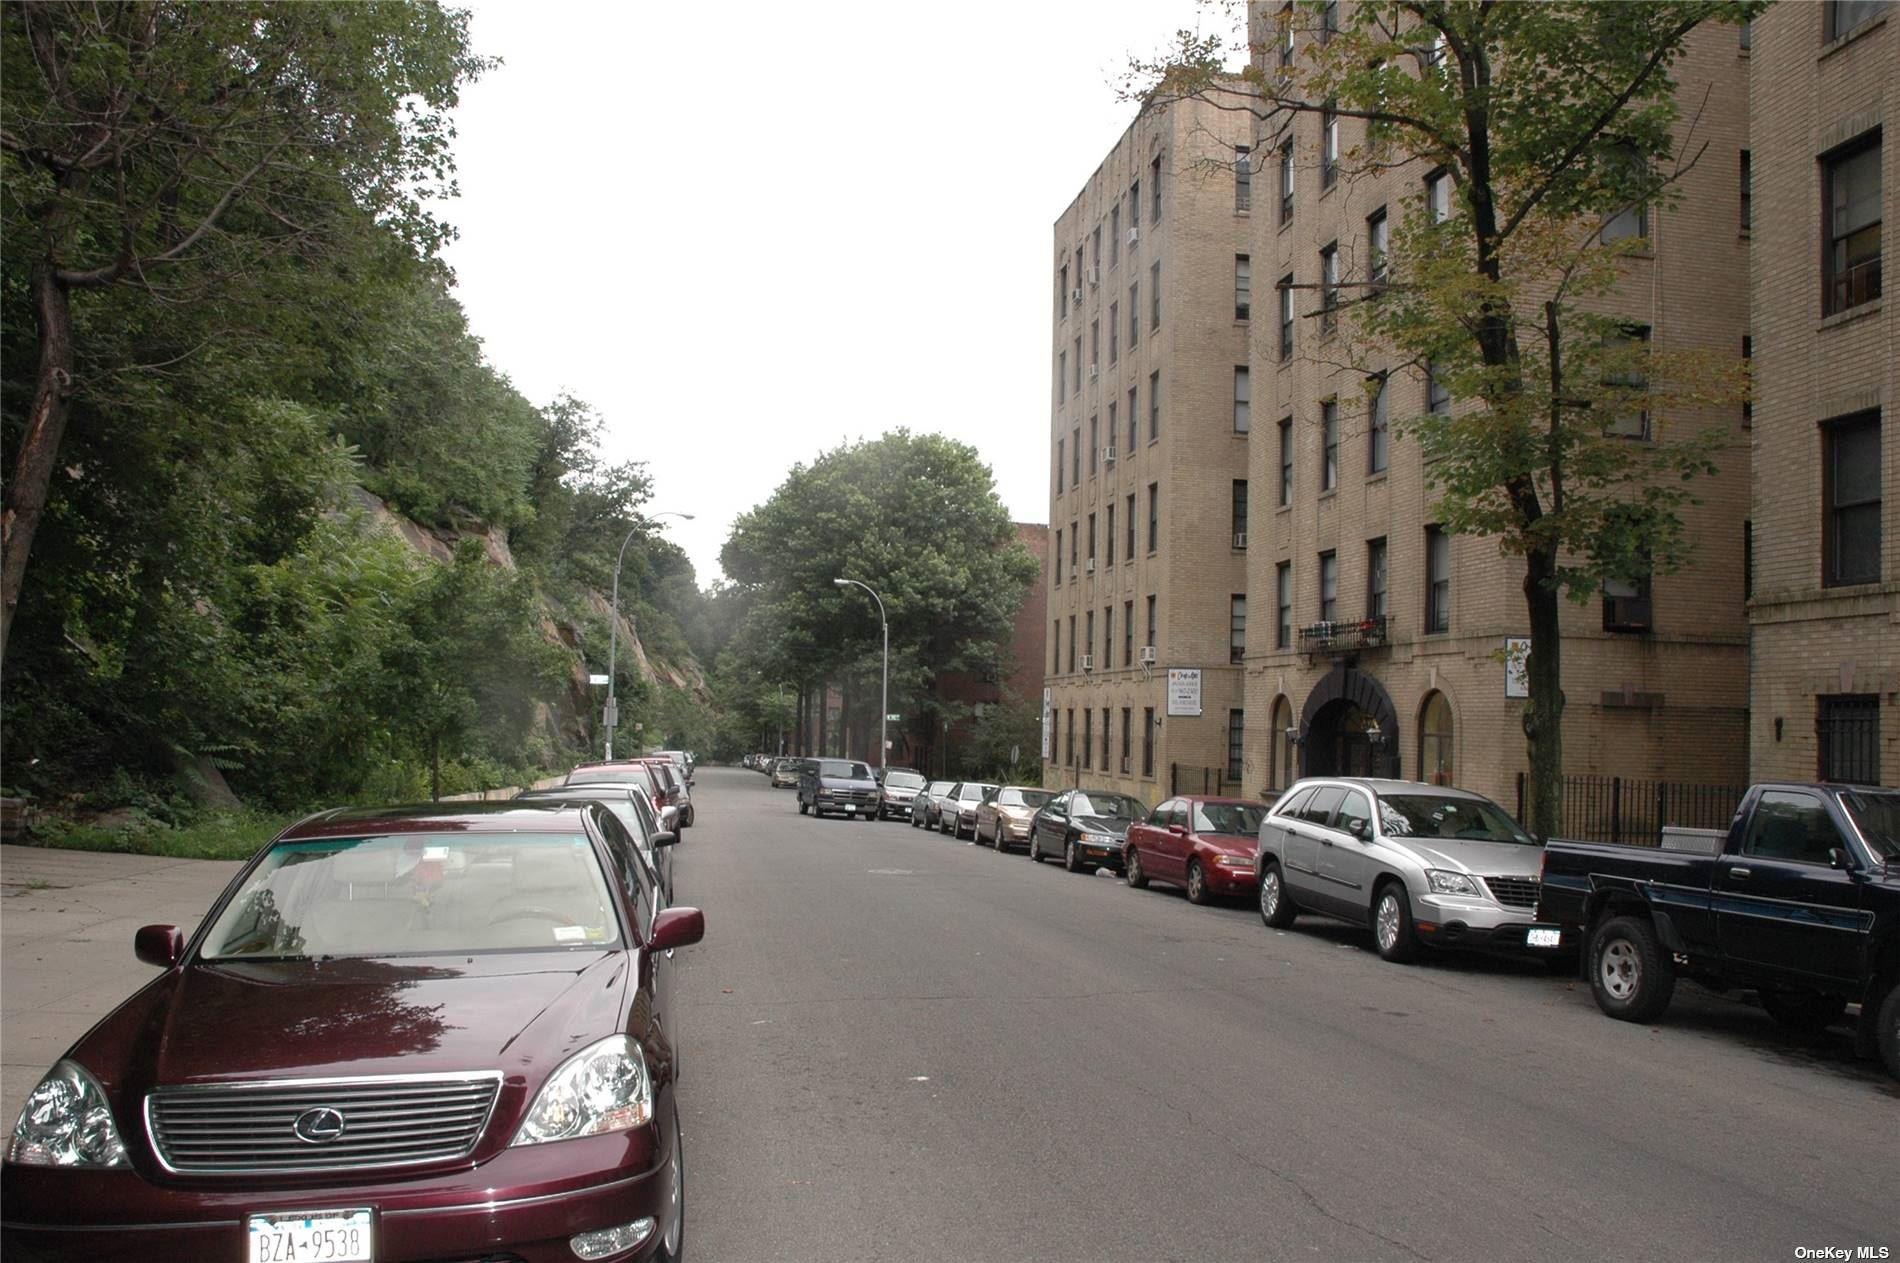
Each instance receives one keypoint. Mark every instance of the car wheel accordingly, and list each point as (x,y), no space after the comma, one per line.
(1197,883)
(1803,1010)
(1277,908)
(1392,924)
(1629,973)
(1071,858)
(1035,852)
(1887,1030)
(673,1241)
(802,807)
(1131,869)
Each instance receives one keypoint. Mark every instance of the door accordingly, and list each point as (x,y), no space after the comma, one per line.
(1347,865)
(1176,844)
(1052,825)
(1146,835)
(1304,835)
(1780,905)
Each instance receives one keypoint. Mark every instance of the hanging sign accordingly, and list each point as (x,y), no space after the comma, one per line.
(1184,690)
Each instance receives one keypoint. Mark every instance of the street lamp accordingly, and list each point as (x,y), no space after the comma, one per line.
(883,714)
(612,715)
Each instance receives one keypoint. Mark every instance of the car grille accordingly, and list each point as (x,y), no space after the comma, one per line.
(252,1127)
(1514,892)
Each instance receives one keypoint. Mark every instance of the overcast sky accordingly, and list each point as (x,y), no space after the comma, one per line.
(747,232)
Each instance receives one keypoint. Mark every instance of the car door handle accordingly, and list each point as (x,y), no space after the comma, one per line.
(1740,874)
(1325,841)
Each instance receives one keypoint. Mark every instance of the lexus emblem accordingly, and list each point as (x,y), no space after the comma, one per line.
(318,1126)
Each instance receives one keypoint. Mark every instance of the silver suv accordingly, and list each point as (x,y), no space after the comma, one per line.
(1419,864)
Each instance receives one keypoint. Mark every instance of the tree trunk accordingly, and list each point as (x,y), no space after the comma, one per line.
(435,769)
(39,446)
(1543,716)
(824,717)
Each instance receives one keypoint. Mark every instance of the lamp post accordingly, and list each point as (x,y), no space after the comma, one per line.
(884,700)
(611,716)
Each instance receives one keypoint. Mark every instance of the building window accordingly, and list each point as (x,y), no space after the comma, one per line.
(1088,635)
(1280,746)
(1091,556)
(1437,580)
(1748,380)
(1748,192)
(1076,381)
(1286,461)
(1748,36)
(1844,15)
(1108,538)
(1154,405)
(1055,646)
(1243,287)
(1075,457)
(1329,446)
(1328,147)
(1629,379)
(1434,740)
(1438,196)
(1134,204)
(1109,454)
(1375,578)
(1748,560)
(1134,315)
(1286,36)
(1154,190)
(1237,627)
(1632,220)
(1062,377)
(1853,226)
(1852,495)
(1095,347)
(1071,644)
(1070,723)
(1062,452)
(1058,558)
(1286,183)
(1134,425)
(1074,544)
(1062,291)
(1148,742)
(1378,428)
(1283,596)
(1114,332)
(1153,624)
(1240,513)
(1095,439)
(1105,728)
(1378,248)
(1286,318)
(1115,234)
(1329,587)
(1154,296)
(1848,728)
(1328,21)
(1437,398)
(1243,400)
(1128,633)
(1236,743)
(1243,178)
(1088,735)
(1154,517)
(1129,516)
(1095,256)
(1329,288)
(1127,737)
(1626,601)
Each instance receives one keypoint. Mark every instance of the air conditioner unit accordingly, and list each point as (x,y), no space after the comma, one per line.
(1095,276)
(1627,613)
(1088,662)
(1240,539)
(1094,371)
(1134,235)
(1147,655)
(1091,565)
(1075,296)
(1108,456)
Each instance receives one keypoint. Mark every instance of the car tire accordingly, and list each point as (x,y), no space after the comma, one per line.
(673,1242)
(1071,858)
(1035,852)
(1803,1010)
(1197,892)
(1277,908)
(1630,974)
(802,807)
(1131,869)
(1887,1030)
(1392,931)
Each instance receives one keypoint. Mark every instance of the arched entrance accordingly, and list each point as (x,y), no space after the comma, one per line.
(1351,727)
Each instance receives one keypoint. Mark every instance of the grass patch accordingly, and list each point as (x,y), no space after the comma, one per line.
(215,835)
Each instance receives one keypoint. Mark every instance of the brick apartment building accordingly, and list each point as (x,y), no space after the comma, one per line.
(1376,642)
(1824,602)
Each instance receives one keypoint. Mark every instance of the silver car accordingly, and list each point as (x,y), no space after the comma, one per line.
(929,802)
(1421,865)
(959,807)
(898,793)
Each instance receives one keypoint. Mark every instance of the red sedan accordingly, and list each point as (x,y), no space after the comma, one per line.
(400,1035)
(1204,844)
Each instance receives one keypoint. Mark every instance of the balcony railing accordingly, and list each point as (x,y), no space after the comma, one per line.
(1858,284)
(1343,637)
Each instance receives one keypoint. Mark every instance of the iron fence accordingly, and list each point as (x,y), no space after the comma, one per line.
(1634,812)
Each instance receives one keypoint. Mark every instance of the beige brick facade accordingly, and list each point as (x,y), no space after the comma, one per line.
(1825,670)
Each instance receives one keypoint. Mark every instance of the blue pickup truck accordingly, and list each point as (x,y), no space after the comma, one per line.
(1799,900)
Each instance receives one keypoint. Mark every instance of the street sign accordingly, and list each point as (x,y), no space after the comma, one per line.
(1048,726)
(596,679)
(1184,691)
(610,714)
(892,718)
(1517,676)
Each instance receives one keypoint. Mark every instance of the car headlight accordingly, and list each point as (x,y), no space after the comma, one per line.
(604,1087)
(67,1123)
(1100,839)
(1443,883)
(1235,861)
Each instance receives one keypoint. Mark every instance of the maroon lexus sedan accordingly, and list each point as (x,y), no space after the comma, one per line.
(400,1036)
(1205,845)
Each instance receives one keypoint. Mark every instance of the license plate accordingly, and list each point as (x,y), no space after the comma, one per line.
(1543,938)
(322,1236)
(850,811)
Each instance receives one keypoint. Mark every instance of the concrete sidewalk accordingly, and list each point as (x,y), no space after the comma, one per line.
(66,925)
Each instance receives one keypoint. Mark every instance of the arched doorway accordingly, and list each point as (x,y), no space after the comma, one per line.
(1434,739)
(1351,727)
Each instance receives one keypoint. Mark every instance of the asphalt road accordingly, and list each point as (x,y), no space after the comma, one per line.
(902,1047)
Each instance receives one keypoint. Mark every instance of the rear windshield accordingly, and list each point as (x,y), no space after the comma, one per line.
(940,787)
(608,776)
(1227,818)
(1024,797)
(1111,806)
(844,770)
(1454,819)
(974,793)
(418,894)
(1877,816)
(903,780)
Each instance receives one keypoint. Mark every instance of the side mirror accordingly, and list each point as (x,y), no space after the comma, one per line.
(1836,858)
(670,819)
(676,927)
(1359,828)
(161,945)
(665,837)
(1178,830)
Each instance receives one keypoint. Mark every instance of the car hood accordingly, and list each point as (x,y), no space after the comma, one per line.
(898,791)
(846,782)
(513,1012)
(1228,843)
(1496,859)
(1102,824)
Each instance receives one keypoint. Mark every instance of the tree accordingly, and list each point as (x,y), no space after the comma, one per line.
(1549,120)
(176,148)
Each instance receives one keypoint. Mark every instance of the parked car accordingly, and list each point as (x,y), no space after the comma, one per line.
(1204,845)
(1005,815)
(315,1073)
(883,772)
(632,772)
(682,759)
(1087,828)
(673,786)
(928,805)
(786,771)
(844,786)
(1799,900)
(634,809)
(898,791)
(958,811)
(1418,864)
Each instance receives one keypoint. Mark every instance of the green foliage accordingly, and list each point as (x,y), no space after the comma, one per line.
(1013,725)
(226,835)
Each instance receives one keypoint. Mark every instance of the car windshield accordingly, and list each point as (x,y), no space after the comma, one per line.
(903,780)
(1440,816)
(418,894)
(1877,815)
(608,776)
(1239,818)
(844,770)
(614,797)
(1031,798)
(1108,806)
